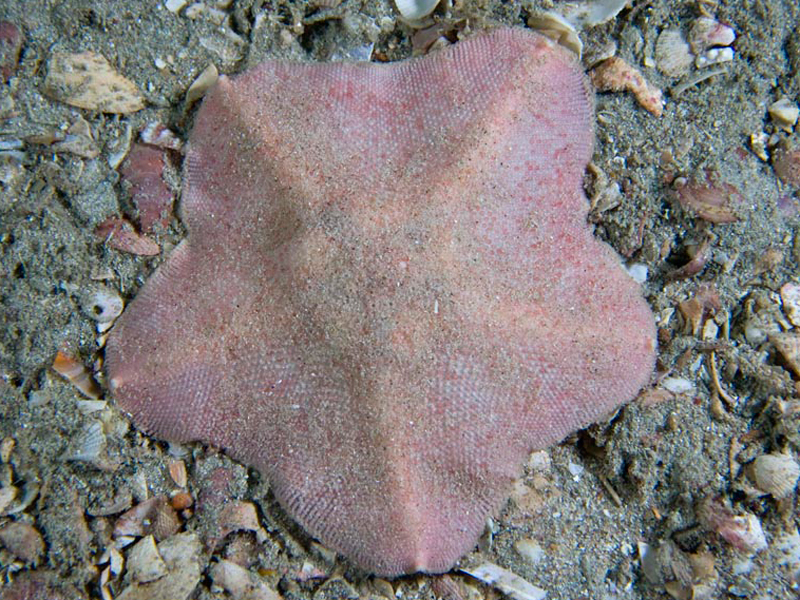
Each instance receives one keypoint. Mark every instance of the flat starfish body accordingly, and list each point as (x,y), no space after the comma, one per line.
(388,294)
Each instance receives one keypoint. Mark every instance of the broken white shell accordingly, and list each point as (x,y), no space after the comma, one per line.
(673,56)
(776,474)
(414,10)
(714,56)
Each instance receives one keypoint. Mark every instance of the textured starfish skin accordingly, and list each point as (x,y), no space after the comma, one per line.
(388,294)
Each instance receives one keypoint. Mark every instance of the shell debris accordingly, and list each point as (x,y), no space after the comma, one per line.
(23,541)
(711,200)
(90,447)
(87,80)
(240,516)
(507,582)
(6,448)
(78,141)
(154,516)
(699,255)
(758,144)
(157,134)
(177,472)
(786,164)
(175,6)
(207,78)
(776,474)
(616,75)
(115,560)
(682,575)
(710,41)
(788,345)
(557,28)
(788,544)
(692,81)
(8,494)
(181,558)
(672,53)
(103,305)
(144,562)
(707,32)
(784,113)
(714,56)
(708,44)
(240,583)
(678,385)
(790,300)
(530,550)
(120,234)
(11,39)
(414,10)
(591,12)
(704,303)
(77,374)
(741,531)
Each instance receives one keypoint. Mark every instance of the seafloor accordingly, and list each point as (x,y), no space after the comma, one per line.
(662,501)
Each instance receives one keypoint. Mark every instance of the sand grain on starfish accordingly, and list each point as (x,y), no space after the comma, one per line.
(326,206)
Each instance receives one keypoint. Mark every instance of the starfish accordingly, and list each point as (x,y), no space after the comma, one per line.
(388,294)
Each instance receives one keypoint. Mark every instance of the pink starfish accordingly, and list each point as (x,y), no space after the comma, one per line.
(388,294)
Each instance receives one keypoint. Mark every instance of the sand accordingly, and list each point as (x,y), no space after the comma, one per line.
(660,473)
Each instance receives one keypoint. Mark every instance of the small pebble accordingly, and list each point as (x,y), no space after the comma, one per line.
(530,550)
(575,470)
(678,385)
(638,272)
(175,6)
(784,114)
